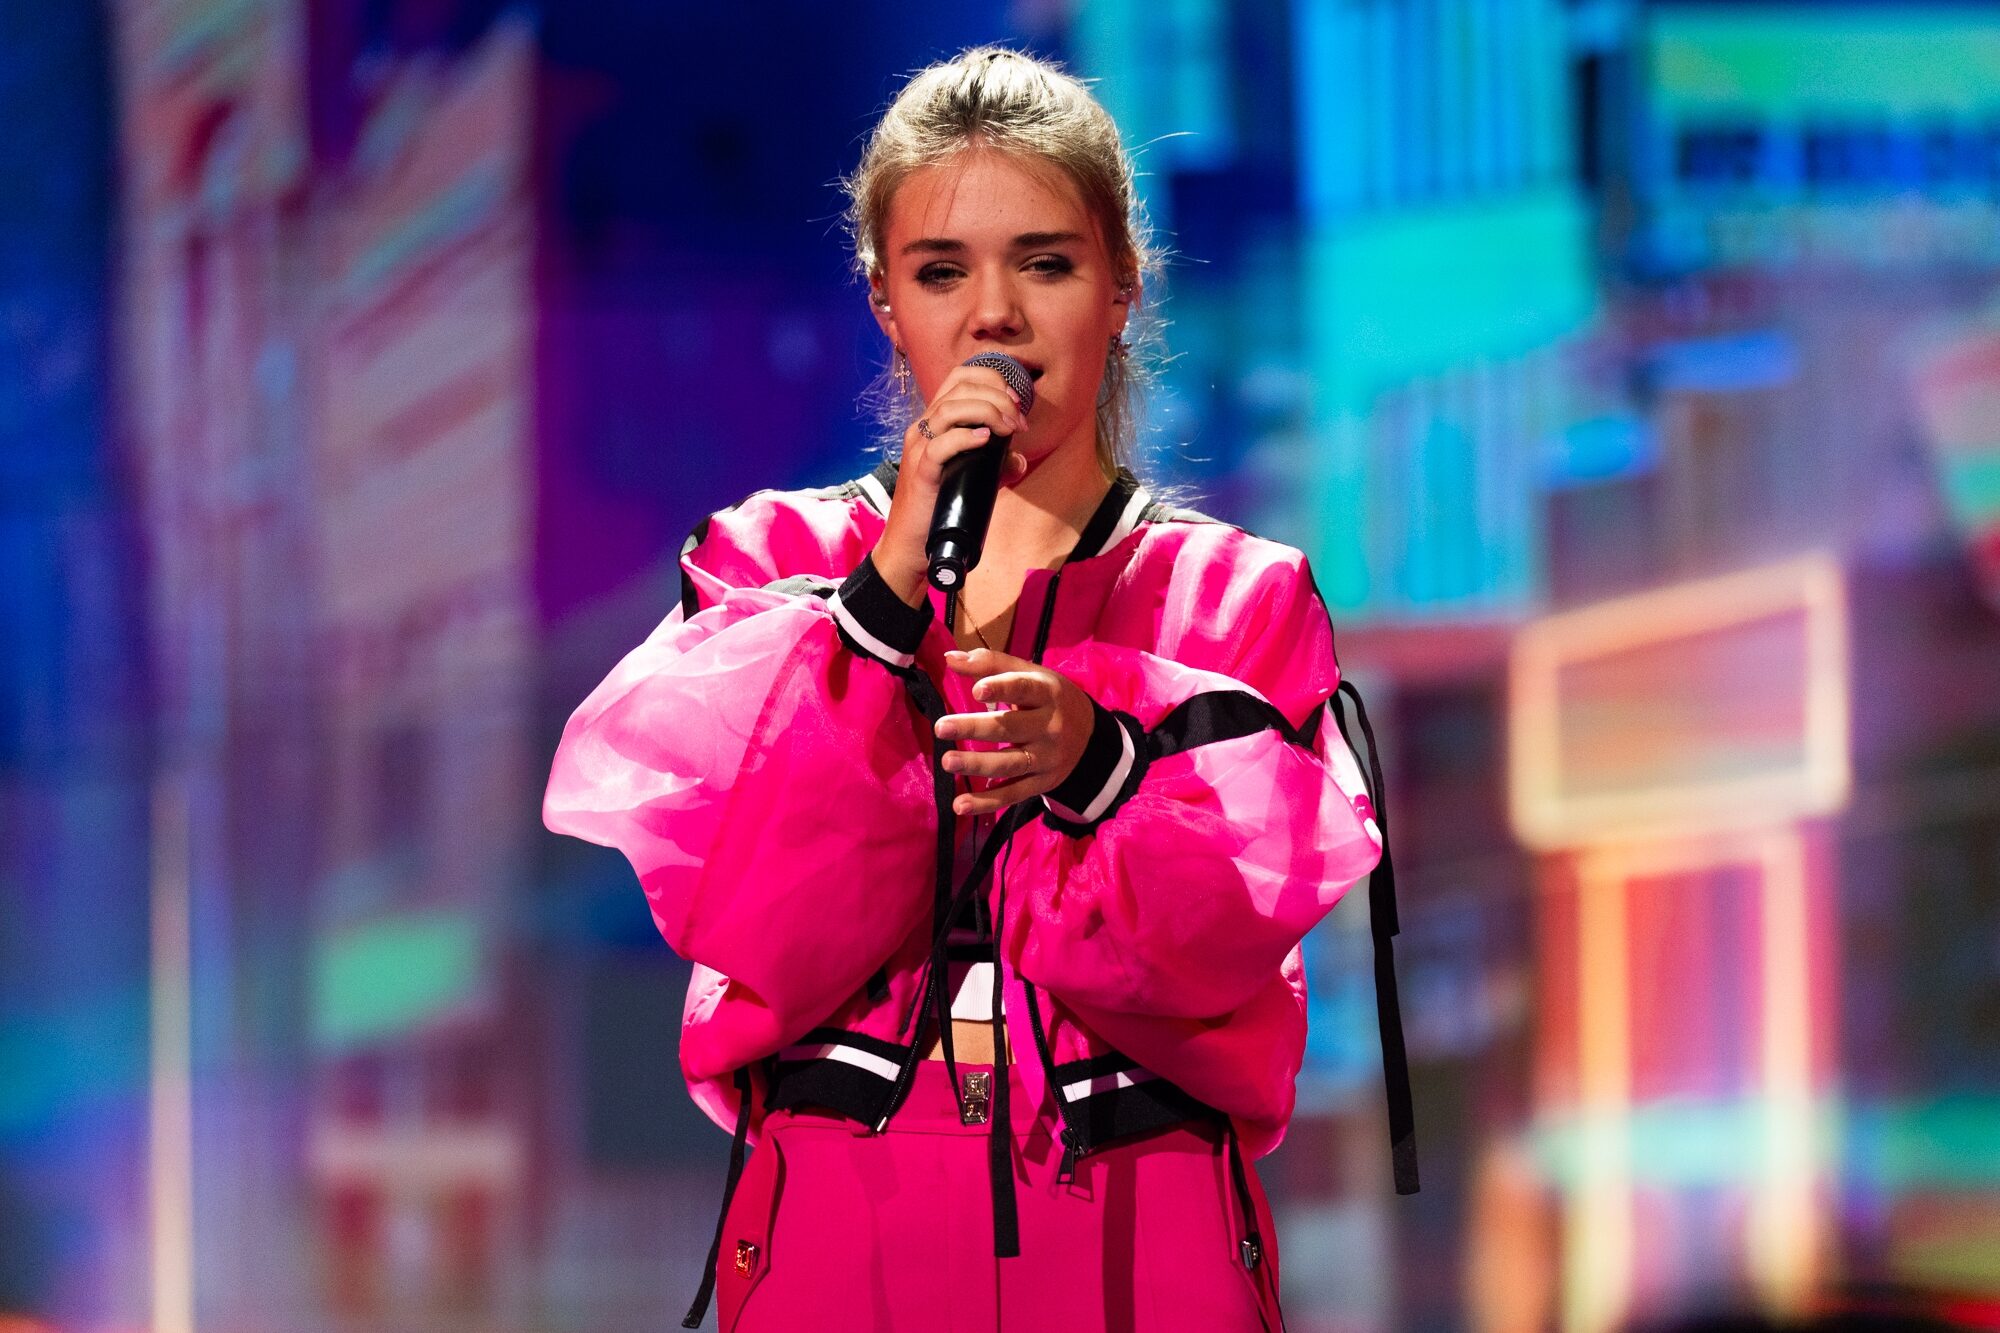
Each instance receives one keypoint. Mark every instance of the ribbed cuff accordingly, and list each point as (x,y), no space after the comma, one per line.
(874,621)
(1106,775)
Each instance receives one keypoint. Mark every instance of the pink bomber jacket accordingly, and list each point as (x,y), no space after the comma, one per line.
(765,760)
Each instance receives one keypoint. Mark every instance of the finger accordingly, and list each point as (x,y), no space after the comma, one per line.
(974,405)
(1014,726)
(944,444)
(999,798)
(1018,762)
(984,662)
(1021,689)
(981,377)
(924,458)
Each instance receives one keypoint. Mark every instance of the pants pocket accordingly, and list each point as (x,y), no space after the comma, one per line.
(746,1257)
(1190,1244)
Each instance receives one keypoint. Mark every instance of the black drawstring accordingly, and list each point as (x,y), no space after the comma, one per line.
(1000,1132)
(1251,1248)
(1383,925)
(699,1309)
(1253,1241)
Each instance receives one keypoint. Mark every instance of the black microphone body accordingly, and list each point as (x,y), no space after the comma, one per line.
(969,484)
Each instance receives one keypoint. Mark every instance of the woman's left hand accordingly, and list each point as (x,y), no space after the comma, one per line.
(1046,729)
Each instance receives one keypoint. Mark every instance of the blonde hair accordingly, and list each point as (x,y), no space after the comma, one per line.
(1028,108)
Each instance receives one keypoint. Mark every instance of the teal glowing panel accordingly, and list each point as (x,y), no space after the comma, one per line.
(1397,296)
(391,977)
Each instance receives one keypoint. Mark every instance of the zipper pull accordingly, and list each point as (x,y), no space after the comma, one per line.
(1066,1172)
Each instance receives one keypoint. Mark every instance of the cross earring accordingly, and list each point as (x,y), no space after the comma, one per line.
(902,372)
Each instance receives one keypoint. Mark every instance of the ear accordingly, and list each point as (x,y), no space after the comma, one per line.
(878,306)
(1130,293)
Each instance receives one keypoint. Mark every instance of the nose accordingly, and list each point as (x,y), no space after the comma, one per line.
(996,309)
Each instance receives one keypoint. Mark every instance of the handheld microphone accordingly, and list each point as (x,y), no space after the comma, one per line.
(966,491)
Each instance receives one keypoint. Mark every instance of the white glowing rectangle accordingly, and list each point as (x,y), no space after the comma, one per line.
(1701,707)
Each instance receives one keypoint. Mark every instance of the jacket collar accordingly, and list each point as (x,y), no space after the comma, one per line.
(1117,515)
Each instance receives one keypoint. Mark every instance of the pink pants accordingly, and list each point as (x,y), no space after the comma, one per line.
(838,1230)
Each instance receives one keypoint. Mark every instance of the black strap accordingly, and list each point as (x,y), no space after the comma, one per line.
(699,1310)
(1384,925)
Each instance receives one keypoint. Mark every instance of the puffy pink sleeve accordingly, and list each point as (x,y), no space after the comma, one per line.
(761,765)
(1210,825)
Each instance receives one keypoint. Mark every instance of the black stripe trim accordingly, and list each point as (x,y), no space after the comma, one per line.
(888,1050)
(1203,719)
(1100,756)
(1105,520)
(1103,740)
(868,598)
(691,600)
(846,1089)
(1111,1062)
(1309,733)
(1137,1109)
(1217,715)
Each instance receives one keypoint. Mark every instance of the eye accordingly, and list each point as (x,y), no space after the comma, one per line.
(937,275)
(1051,265)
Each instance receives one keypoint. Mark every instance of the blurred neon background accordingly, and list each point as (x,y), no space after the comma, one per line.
(1630,372)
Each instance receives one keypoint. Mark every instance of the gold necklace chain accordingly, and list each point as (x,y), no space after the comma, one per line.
(966,616)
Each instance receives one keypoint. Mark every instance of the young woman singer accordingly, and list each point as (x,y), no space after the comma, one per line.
(994,898)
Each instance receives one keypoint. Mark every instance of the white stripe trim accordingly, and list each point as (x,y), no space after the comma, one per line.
(847,1055)
(1124,1078)
(874,646)
(1119,772)
(973,1001)
(873,491)
(1128,518)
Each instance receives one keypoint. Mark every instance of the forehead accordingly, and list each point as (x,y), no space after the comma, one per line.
(982,195)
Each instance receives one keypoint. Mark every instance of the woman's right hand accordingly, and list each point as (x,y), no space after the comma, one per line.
(970,407)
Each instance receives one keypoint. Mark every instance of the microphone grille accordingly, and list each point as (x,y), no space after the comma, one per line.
(1016,375)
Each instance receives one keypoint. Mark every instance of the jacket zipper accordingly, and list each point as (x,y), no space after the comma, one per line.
(1073,1141)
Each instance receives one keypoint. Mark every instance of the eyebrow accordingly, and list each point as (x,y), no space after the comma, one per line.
(1027,240)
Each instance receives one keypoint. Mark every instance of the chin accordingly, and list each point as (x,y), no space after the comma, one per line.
(1035,458)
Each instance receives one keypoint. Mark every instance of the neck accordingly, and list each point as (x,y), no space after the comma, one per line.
(1037,520)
